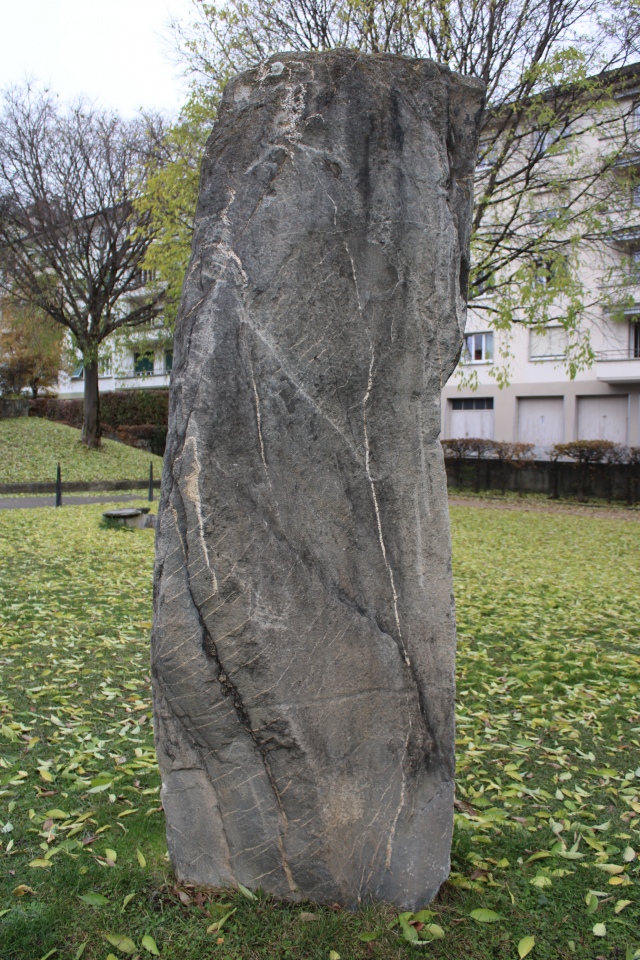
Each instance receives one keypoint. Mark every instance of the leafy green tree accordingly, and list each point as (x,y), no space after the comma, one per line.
(548,182)
(168,203)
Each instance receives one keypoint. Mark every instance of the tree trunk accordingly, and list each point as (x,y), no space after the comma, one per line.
(91,413)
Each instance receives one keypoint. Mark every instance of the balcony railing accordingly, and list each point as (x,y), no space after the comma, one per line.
(630,353)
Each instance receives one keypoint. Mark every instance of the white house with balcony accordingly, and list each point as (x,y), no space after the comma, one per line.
(125,368)
(542,405)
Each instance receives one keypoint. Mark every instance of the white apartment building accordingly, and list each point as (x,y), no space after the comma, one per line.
(125,369)
(542,405)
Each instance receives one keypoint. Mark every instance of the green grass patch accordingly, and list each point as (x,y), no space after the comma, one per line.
(30,450)
(548,796)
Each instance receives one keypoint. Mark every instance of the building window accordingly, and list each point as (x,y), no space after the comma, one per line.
(635,340)
(544,140)
(142,365)
(168,361)
(473,403)
(550,342)
(481,285)
(488,153)
(478,348)
(633,266)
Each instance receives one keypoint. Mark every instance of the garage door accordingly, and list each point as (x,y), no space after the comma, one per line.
(541,420)
(603,418)
(472,417)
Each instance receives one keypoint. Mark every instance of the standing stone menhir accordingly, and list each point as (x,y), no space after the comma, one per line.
(303,647)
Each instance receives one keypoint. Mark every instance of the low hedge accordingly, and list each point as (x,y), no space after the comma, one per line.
(138,418)
(62,411)
(134,408)
(118,408)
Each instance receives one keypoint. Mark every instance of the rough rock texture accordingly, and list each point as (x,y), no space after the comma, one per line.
(303,647)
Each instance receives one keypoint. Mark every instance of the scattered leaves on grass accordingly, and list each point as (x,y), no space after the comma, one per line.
(525,946)
(121,943)
(94,899)
(548,738)
(485,916)
(150,945)
(217,926)
(246,893)
(22,889)
(33,447)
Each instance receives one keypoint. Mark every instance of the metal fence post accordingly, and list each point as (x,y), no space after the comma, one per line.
(58,488)
(151,480)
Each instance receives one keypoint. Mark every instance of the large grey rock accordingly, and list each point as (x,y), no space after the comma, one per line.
(303,647)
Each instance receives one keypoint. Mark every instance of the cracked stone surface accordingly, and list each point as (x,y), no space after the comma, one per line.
(304,635)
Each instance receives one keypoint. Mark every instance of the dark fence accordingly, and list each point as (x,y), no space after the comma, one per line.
(77,486)
(59,487)
(14,408)
(579,470)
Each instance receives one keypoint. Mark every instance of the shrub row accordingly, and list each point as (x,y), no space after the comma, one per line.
(130,408)
(134,408)
(581,451)
(508,456)
(596,451)
(136,417)
(62,411)
(515,453)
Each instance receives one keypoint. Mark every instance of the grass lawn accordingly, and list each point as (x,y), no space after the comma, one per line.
(548,796)
(31,448)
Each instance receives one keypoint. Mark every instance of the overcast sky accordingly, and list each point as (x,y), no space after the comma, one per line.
(111,50)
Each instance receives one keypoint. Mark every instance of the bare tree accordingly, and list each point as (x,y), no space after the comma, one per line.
(71,243)
(553,136)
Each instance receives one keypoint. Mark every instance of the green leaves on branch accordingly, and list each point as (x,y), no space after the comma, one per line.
(168,202)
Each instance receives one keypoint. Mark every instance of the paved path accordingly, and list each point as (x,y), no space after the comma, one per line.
(68,500)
